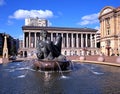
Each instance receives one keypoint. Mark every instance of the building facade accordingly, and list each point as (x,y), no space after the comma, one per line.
(110,30)
(1,44)
(74,40)
(12,44)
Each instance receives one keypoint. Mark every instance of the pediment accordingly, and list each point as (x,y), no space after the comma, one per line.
(106,10)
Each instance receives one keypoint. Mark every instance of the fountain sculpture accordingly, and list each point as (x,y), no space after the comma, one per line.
(49,54)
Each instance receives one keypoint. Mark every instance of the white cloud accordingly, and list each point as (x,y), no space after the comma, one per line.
(97,27)
(2,2)
(21,14)
(89,19)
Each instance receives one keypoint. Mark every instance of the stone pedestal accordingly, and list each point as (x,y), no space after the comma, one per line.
(3,60)
(82,58)
(101,59)
(118,59)
(46,65)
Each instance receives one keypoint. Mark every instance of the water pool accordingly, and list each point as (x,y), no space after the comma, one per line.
(84,78)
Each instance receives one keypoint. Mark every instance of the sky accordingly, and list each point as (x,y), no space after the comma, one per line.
(59,13)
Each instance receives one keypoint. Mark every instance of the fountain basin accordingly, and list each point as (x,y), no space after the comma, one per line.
(47,65)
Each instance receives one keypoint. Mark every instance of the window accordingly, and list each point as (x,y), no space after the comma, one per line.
(107,21)
(108,42)
(108,32)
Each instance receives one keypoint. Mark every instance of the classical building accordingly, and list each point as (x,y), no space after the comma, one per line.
(98,38)
(110,30)
(74,40)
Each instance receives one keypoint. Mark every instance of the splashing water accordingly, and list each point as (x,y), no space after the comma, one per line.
(92,69)
(21,76)
(64,77)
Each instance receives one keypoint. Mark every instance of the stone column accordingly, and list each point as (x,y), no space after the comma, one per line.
(104,29)
(35,39)
(56,34)
(67,40)
(24,40)
(72,40)
(101,27)
(51,36)
(91,41)
(86,43)
(77,43)
(62,40)
(95,41)
(81,40)
(29,40)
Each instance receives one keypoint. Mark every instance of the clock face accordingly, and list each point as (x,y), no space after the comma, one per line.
(106,11)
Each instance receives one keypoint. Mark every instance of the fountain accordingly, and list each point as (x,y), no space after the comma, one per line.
(49,54)
(85,78)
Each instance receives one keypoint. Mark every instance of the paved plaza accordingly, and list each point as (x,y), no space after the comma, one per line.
(112,60)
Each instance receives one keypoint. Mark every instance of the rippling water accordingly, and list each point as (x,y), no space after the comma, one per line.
(20,78)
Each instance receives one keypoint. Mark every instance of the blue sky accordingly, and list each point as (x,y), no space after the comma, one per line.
(60,13)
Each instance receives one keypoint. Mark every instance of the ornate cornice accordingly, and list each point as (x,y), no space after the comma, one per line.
(58,28)
(109,36)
